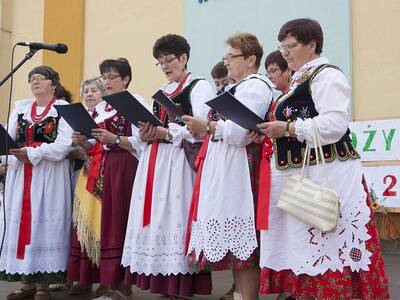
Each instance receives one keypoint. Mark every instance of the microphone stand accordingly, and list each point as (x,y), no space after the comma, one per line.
(27,57)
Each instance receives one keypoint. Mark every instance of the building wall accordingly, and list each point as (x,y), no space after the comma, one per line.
(20,21)
(94,30)
(209,24)
(125,28)
(375,59)
(64,21)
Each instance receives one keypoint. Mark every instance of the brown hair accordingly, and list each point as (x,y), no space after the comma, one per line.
(277,58)
(248,44)
(219,70)
(305,31)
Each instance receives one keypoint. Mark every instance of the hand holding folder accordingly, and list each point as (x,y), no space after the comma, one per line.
(78,118)
(169,105)
(6,142)
(131,108)
(231,108)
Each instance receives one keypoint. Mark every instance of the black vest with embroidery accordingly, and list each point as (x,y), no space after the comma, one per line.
(43,132)
(289,152)
(182,101)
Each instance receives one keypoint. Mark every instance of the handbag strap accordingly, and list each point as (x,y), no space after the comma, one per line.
(318,149)
(318,146)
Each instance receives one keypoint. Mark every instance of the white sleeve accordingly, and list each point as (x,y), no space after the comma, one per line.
(12,131)
(331,95)
(256,96)
(200,94)
(56,151)
(137,144)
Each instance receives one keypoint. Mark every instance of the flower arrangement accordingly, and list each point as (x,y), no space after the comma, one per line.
(374,201)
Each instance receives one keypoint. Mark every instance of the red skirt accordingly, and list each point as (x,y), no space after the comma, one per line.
(80,268)
(119,174)
(177,285)
(372,284)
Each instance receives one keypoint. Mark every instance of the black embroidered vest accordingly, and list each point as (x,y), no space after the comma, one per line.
(43,132)
(299,104)
(182,100)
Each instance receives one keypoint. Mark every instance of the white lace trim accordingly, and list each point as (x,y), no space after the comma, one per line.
(162,253)
(157,263)
(346,243)
(216,237)
(38,258)
(323,251)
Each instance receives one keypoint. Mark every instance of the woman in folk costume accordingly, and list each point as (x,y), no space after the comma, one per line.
(115,158)
(155,239)
(347,262)
(37,197)
(85,243)
(222,220)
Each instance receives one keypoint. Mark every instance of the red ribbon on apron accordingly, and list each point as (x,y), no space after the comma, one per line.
(148,197)
(194,204)
(149,183)
(264,186)
(24,235)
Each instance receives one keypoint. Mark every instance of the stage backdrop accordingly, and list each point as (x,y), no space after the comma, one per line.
(377,142)
(209,23)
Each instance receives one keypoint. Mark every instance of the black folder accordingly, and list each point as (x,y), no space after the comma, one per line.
(231,108)
(78,118)
(165,101)
(131,108)
(6,142)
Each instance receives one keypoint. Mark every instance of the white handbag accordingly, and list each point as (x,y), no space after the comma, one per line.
(312,203)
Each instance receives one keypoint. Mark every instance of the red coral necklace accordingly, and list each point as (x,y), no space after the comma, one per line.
(38,117)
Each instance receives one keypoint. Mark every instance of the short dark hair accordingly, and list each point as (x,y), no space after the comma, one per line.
(171,44)
(277,58)
(219,70)
(305,31)
(48,72)
(248,44)
(121,65)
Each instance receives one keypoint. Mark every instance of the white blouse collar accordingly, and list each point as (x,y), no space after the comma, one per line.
(310,65)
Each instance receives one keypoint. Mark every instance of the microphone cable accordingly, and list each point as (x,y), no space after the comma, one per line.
(6,162)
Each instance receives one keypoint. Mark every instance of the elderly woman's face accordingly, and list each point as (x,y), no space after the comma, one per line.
(236,64)
(113,82)
(91,95)
(296,53)
(41,86)
(173,66)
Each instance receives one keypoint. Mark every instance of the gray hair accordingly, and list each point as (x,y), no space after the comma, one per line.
(97,81)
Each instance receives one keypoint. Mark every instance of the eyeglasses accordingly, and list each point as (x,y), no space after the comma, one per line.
(109,77)
(272,71)
(166,62)
(229,57)
(288,47)
(38,78)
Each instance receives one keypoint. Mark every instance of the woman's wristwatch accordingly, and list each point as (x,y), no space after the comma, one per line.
(287,132)
(117,140)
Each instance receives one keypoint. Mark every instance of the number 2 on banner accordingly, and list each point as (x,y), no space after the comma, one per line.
(393,180)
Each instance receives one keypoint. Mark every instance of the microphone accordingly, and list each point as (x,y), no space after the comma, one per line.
(59,48)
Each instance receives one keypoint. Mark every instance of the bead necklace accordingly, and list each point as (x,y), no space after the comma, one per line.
(36,118)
